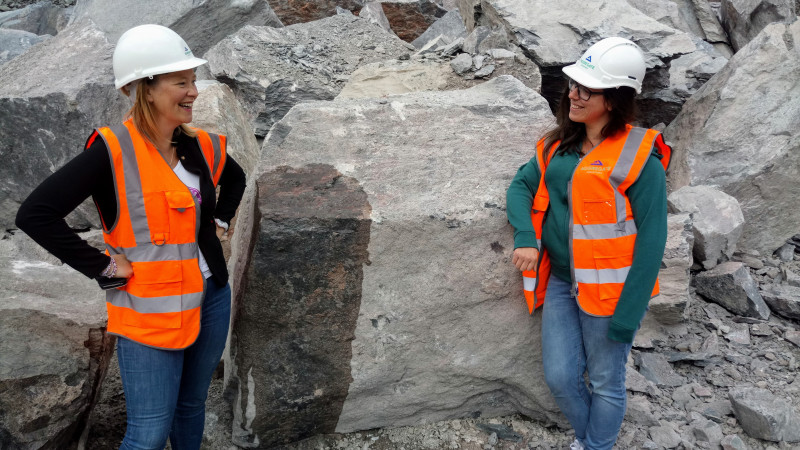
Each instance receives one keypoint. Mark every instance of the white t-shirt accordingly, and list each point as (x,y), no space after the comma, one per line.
(192,181)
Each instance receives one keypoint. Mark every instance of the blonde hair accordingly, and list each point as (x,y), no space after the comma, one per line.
(144,117)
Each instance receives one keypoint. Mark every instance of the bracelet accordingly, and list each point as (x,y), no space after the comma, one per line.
(221,224)
(110,270)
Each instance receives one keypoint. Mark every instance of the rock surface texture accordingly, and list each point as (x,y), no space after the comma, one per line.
(744,19)
(40,18)
(272,69)
(53,350)
(419,205)
(740,133)
(730,285)
(717,222)
(47,114)
(200,23)
(555,37)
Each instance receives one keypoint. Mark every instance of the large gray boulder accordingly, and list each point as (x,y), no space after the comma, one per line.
(762,415)
(555,37)
(201,23)
(731,286)
(16,42)
(670,305)
(740,133)
(783,300)
(359,310)
(53,347)
(451,26)
(272,69)
(217,110)
(39,18)
(50,100)
(690,16)
(744,19)
(717,222)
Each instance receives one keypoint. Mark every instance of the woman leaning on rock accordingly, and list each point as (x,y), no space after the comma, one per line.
(589,213)
(153,180)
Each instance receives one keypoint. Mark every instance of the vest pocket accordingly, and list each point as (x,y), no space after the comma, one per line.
(181,216)
(598,211)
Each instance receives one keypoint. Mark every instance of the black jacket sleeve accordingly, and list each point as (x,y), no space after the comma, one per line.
(232,183)
(41,215)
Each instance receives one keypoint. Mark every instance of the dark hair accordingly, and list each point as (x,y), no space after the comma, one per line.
(571,134)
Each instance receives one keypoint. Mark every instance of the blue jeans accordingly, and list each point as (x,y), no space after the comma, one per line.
(166,390)
(574,342)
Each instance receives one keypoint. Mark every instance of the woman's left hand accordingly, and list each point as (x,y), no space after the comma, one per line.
(221,233)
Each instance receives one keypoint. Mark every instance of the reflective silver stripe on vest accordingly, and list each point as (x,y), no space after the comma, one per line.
(133,185)
(528,283)
(602,276)
(152,252)
(215,143)
(167,304)
(604,230)
(539,244)
(623,167)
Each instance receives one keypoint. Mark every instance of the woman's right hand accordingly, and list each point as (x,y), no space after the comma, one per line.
(525,258)
(124,267)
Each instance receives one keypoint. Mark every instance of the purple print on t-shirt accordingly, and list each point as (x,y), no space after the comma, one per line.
(196,193)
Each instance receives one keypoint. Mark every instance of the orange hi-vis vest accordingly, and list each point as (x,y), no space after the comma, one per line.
(601,229)
(156,228)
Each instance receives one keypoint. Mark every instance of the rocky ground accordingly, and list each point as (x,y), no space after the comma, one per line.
(683,404)
(8,5)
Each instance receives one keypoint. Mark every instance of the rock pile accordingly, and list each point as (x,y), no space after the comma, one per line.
(370,262)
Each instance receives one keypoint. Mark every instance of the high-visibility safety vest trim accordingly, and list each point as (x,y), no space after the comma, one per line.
(156,228)
(601,228)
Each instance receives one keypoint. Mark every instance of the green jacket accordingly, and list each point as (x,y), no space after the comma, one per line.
(648,199)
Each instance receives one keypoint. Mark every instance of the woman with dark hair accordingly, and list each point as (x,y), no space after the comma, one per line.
(589,215)
(153,179)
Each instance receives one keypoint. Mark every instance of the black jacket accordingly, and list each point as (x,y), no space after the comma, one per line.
(42,214)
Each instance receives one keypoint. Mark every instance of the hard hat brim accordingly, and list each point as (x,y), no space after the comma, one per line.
(169,68)
(582,78)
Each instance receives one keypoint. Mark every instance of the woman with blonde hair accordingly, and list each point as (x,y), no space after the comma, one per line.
(153,180)
(589,213)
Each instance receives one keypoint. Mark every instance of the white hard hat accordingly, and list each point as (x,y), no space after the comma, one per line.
(149,50)
(610,63)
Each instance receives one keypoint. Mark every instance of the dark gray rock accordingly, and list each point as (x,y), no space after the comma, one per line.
(200,23)
(484,71)
(317,244)
(731,286)
(664,436)
(269,77)
(636,382)
(783,300)
(792,336)
(733,442)
(16,42)
(47,115)
(707,431)
(40,18)
(639,411)
(764,416)
(658,370)
(744,19)
(450,25)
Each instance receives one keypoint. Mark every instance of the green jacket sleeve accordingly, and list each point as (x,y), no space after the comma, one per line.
(648,198)
(519,200)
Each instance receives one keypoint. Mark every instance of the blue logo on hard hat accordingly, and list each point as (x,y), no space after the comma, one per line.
(589,58)
(186,51)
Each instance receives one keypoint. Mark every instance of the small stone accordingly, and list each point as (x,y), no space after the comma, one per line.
(493,439)
(477,61)
(732,442)
(462,63)
(703,391)
(786,252)
(770,356)
(792,336)
(665,436)
(739,334)
(485,71)
(760,329)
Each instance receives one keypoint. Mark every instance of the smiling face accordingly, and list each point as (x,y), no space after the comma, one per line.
(171,98)
(594,113)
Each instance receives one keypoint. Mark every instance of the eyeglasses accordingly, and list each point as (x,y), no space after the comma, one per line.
(583,92)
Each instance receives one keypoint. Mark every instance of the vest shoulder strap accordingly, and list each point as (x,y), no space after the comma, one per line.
(214,151)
